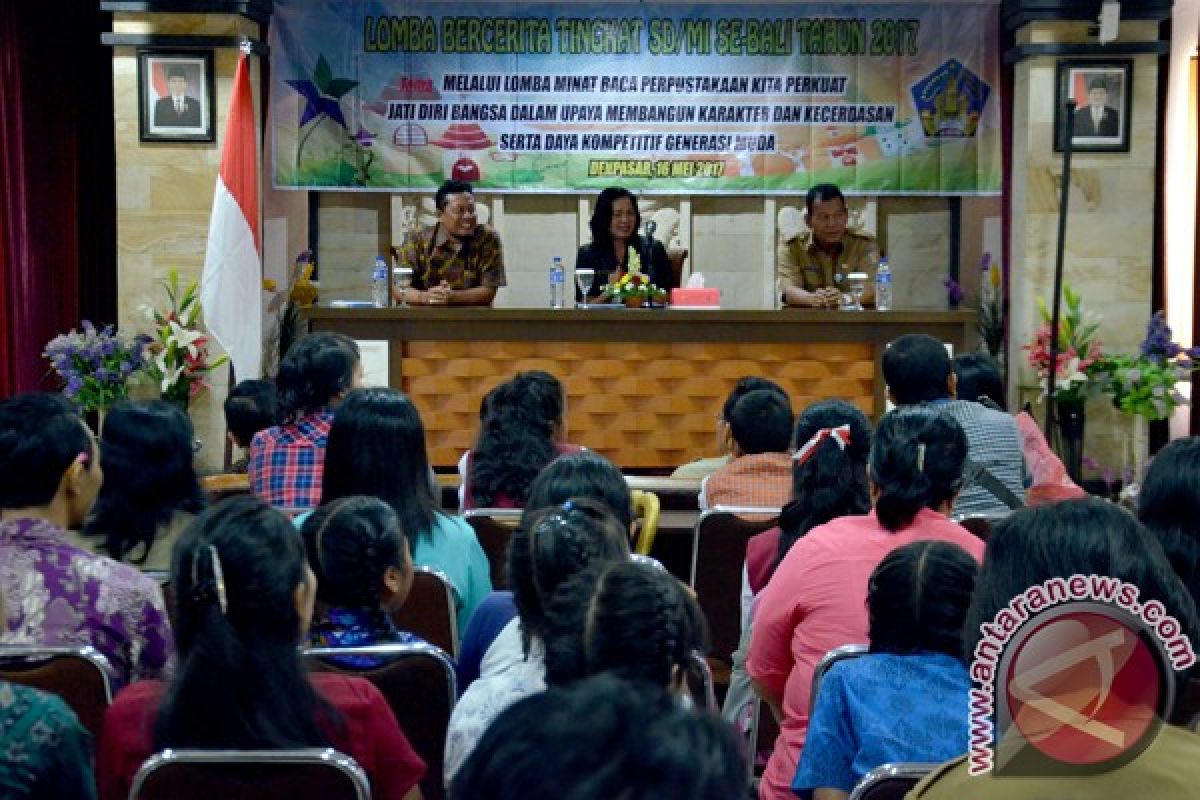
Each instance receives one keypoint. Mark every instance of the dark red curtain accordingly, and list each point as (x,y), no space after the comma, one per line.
(57,198)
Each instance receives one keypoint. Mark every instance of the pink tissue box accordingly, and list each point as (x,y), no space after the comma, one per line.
(696,298)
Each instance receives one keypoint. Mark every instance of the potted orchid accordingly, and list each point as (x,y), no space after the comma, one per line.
(95,364)
(179,359)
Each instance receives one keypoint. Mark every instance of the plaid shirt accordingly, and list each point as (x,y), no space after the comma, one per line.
(762,480)
(435,257)
(287,462)
(994,443)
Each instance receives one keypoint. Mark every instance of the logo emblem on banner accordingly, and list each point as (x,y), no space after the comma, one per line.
(950,100)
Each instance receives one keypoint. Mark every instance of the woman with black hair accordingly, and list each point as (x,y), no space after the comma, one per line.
(244,599)
(864,715)
(547,548)
(1078,537)
(360,556)
(377,448)
(815,600)
(521,432)
(599,739)
(151,491)
(614,225)
(829,480)
(286,462)
(1169,506)
(629,619)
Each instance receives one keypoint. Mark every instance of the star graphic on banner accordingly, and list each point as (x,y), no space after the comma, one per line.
(322,94)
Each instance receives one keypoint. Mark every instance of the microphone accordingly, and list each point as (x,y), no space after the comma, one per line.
(651,226)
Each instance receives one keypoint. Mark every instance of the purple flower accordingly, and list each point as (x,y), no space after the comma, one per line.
(985,263)
(88,327)
(74,384)
(102,374)
(1091,463)
(954,292)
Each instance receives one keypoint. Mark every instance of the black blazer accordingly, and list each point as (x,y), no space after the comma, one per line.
(1084,125)
(604,262)
(165,114)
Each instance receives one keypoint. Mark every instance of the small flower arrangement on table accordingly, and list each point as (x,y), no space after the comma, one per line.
(633,288)
(95,364)
(179,351)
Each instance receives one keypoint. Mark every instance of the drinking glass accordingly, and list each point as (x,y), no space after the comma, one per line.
(858,284)
(402,279)
(583,279)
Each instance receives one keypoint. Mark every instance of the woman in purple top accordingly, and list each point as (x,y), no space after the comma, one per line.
(56,593)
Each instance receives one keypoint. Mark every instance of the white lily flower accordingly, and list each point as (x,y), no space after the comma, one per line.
(184,338)
(169,374)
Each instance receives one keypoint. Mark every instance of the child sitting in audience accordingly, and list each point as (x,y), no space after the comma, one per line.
(906,701)
(57,593)
(816,600)
(360,556)
(548,547)
(632,620)
(829,480)
(150,491)
(244,596)
(249,408)
(703,467)
(523,430)
(287,460)
(586,475)
(760,470)
(377,448)
(599,739)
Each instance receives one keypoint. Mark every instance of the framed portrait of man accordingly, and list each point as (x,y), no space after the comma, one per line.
(175,96)
(1102,91)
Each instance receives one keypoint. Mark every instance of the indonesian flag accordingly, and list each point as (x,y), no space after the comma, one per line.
(231,286)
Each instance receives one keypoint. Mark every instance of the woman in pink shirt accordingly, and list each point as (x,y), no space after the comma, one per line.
(816,600)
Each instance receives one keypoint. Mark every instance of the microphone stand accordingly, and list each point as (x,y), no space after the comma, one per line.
(1056,300)
(650,227)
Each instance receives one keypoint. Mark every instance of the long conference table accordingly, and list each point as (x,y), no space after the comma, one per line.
(643,386)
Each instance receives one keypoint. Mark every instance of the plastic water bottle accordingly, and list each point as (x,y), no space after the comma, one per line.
(883,286)
(379,283)
(558,279)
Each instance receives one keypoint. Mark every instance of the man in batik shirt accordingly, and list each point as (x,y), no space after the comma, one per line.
(457,262)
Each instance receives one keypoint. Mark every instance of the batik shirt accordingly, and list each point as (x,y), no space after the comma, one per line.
(435,256)
(44,752)
(357,627)
(58,594)
(287,462)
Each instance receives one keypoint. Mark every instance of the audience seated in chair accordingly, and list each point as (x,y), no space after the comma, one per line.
(603,738)
(150,490)
(1076,537)
(760,471)
(586,475)
(360,557)
(816,600)
(287,461)
(57,593)
(523,429)
(979,380)
(549,546)
(249,407)
(377,448)
(918,371)
(703,467)
(907,699)
(1169,506)
(829,480)
(245,599)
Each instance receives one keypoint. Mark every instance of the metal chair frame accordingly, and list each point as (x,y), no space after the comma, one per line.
(843,653)
(900,771)
(307,756)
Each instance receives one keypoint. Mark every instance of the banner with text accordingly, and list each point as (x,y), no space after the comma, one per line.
(877,98)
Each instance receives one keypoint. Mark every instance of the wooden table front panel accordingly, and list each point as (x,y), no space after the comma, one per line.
(644,405)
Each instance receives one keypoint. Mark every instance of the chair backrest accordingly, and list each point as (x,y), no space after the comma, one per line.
(649,561)
(979,524)
(429,610)
(677,257)
(418,682)
(646,509)
(699,679)
(494,528)
(890,781)
(81,675)
(846,651)
(320,774)
(718,553)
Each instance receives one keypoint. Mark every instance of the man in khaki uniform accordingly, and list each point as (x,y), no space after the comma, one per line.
(813,266)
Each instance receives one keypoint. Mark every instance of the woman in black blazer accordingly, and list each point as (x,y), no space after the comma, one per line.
(614,225)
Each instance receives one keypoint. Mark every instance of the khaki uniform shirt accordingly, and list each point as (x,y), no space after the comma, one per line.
(464,264)
(803,265)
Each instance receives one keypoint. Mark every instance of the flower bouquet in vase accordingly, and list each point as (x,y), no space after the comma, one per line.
(179,360)
(633,288)
(95,365)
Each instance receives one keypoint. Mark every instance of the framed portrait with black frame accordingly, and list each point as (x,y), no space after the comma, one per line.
(1103,95)
(176,101)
